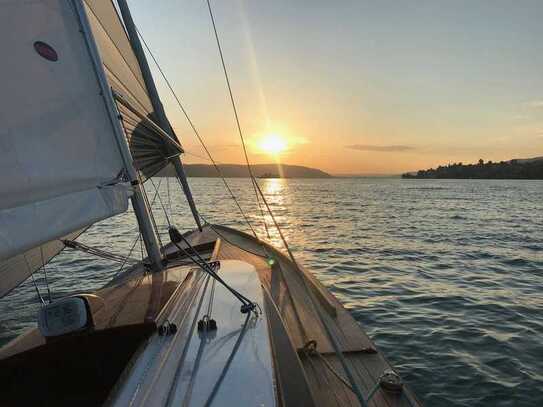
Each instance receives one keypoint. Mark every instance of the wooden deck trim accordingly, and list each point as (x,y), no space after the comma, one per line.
(354,342)
(290,374)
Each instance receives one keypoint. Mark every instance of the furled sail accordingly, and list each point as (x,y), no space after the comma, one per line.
(151,148)
(60,165)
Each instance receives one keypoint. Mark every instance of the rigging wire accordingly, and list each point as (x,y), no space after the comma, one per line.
(198,156)
(169,196)
(33,279)
(197,134)
(258,191)
(108,255)
(151,214)
(334,341)
(234,108)
(37,289)
(129,253)
(45,274)
(247,306)
(161,203)
(72,244)
(139,237)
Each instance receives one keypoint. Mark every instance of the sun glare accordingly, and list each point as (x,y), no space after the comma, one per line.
(272,144)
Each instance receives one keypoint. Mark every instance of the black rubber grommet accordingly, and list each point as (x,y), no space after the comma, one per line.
(212,325)
(201,325)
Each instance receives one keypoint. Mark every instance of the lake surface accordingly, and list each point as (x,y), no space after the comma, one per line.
(446,276)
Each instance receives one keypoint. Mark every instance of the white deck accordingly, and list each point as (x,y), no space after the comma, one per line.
(231,366)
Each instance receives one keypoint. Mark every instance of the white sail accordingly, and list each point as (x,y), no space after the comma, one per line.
(17,269)
(120,63)
(150,149)
(60,165)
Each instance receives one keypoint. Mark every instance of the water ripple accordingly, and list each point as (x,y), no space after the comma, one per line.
(445,276)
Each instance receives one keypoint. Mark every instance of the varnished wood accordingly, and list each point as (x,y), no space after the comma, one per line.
(285,283)
(297,306)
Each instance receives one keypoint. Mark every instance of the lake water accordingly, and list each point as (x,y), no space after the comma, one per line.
(446,276)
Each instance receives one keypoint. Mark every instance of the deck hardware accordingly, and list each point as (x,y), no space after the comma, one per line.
(207,324)
(215,265)
(391,381)
(245,308)
(167,328)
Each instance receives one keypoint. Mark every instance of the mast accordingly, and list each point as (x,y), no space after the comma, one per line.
(138,202)
(157,104)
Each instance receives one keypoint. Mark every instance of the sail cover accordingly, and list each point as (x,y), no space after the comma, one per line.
(150,149)
(60,166)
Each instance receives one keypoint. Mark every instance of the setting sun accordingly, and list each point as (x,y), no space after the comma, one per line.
(272,144)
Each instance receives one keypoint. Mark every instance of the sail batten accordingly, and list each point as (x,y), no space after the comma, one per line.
(126,79)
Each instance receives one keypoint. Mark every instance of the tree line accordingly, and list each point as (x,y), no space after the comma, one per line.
(513,169)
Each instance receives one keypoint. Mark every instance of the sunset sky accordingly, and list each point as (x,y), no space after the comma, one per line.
(355,86)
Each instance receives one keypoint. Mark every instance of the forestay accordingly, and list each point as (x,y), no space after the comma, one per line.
(150,149)
(61,169)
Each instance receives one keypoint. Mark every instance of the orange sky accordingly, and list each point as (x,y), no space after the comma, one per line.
(355,87)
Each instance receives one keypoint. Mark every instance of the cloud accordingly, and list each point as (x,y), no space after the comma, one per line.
(369,147)
(535,104)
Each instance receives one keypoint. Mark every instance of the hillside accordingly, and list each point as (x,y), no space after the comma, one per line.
(531,168)
(240,171)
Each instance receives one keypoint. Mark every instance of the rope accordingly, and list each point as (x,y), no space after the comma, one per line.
(318,373)
(247,305)
(310,349)
(197,134)
(373,391)
(240,132)
(72,244)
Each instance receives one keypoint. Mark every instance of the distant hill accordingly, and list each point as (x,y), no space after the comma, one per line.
(240,171)
(528,168)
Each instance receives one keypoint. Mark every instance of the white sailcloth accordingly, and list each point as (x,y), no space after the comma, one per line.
(120,63)
(59,161)
(150,150)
